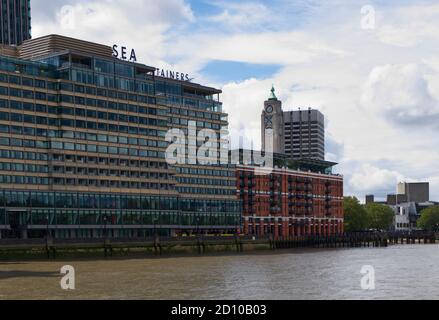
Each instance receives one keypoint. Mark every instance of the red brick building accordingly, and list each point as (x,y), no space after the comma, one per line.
(288,203)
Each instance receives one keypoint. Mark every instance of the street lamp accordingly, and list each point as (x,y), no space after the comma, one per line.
(105,226)
(47,226)
(155,227)
(198,225)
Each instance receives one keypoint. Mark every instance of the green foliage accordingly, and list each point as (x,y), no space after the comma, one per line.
(355,215)
(429,219)
(379,216)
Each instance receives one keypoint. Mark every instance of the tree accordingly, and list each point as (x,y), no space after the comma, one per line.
(379,216)
(429,219)
(355,216)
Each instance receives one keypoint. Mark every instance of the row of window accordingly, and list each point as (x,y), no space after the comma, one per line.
(108,82)
(117,117)
(90,200)
(115,162)
(207,182)
(28,180)
(100,172)
(41,108)
(205,191)
(28,94)
(199,124)
(18,117)
(22,167)
(78,135)
(206,172)
(210,106)
(103,103)
(100,80)
(97,126)
(18,130)
(20,155)
(93,217)
(14,142)
(29,82)
(193,114)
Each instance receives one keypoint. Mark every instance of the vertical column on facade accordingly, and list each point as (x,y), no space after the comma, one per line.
(285,229)
(246,227)
(276,228)
(314,227)
(292,231)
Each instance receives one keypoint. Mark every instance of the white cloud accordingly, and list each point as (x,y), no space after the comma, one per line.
(140,24)
(371,179)
(280,48)
(410,25)
(242,14)
(401,93)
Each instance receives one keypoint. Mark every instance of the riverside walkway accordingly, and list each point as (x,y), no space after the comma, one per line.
(203,244)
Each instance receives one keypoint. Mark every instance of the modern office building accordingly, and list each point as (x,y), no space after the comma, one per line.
(15,22)
(82,147)
(298,134)
(414,192)
(289,201)
(370,198)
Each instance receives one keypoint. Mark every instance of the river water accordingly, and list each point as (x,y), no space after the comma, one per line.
(401,272)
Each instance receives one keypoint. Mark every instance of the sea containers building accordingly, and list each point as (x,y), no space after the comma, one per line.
(82,147)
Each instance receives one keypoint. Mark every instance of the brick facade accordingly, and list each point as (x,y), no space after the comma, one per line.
(289,203)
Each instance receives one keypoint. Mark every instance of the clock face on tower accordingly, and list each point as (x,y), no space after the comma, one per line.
(269,109)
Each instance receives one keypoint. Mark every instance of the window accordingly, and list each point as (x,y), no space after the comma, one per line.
(69,146)
(124,70)
(104,66)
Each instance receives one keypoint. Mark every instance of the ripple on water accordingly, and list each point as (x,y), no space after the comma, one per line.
(402,272)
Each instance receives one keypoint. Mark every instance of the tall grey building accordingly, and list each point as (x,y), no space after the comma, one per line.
(15,21)
(305,134)
(297,134)
(415,192)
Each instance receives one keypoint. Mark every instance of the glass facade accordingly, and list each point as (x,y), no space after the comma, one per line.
(83,138)
(15,21)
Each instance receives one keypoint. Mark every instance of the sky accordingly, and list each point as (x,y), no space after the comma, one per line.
(372,67)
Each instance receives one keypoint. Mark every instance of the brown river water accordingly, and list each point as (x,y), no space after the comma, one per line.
(401,272)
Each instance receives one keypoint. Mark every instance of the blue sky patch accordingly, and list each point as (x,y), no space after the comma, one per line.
(226,71)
